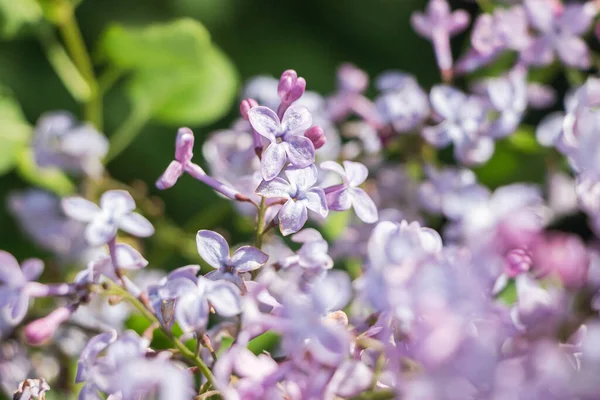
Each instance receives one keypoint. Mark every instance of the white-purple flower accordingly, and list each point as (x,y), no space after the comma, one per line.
(213,249)
(16,287)
(115,212)
(301,195)
(349,194)
(314,253)
(287,142)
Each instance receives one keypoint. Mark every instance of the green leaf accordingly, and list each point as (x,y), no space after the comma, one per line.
(168,45)
(265,342)
(187,95)
(508,295)
(16,14)
(524,140)
(14,131)
(52,179)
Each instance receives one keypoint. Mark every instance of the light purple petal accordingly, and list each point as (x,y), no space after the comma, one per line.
(129,258)
(539,52)
(117,201)
(10,273)
(17,308)
(364,207)
(32,268)
(540,14)
(430,240)
(213,248)
(356,172)
(440,135)
(273,160)
(296,120)
(339,200)
(225,298)
(474,152)
(573,51)
(237,280)
(303,178)
(170,176)
(248,258)
(265,122)
(351,378)
(577,18)
(278,187)
(329,345)
(420,23)
(447,101)
(317,202)
(549,129)
(459,20)
(191,312)
(300,150)
(100,232)
(335,167)
(79,208)
(333,292)
(177,287)
(136,225)
(292,217)
(90,352)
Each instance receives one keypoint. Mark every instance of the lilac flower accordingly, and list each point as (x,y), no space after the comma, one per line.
(464,123)
(213,249)
(115,211)
(300,195)
(560,30)
(195,298)
(313,254)
(508,96)
(348,194)
(184,147)
(32,389)
(60,142)
(290,88)
(505,29)
(439,24)
(159,377)
(285,137)
(402,103)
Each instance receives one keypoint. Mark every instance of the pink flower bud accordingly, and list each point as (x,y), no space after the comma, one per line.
(316,136)
(170,176)
(246,105)
(291,87)
(184,145)
(41,330)
(352,79)
(518,261)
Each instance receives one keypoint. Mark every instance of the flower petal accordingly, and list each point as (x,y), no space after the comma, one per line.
(573,51)
(550,128)
(100,232)
(540,14)
(128,257)
(278,187)
(265,122)
(10,273)
(32,268)
(213,248)
(296,120)
(334,167)
(447,101)
(364,207)
(302,178)
(191,312)
(300,150)
(440,135)
(136,224)
(117,202)
(292,217)
(357,173)
(248,258)
(351,378)
(273,160)
(79,208)
(317,202)
(225,298)
(339,200)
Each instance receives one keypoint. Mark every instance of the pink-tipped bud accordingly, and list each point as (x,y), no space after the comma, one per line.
(184,145)
(352,79)
(170,176)
(291,87)
(246,105)
(41,330)
(518,261)
(316,136)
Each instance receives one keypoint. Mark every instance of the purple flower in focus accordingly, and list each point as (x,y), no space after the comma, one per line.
(213,249)
(300,195)
(287,142)
(439,24)
(560,29)
(60,142)
(464,123)
(115,212)
(15,286)
(343,196)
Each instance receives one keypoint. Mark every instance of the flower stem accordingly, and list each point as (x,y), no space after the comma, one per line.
(260,225)
(71,34)
(113,288)
(127,132)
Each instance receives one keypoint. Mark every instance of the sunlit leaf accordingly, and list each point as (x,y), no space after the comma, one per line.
(52,179)
(14,131)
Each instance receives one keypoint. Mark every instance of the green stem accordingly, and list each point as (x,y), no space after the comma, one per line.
(378,395)
(63,66)
(127,132)
(75,44)
(260,225)
(113,288)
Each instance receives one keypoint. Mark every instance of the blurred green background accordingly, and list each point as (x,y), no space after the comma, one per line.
(260,37)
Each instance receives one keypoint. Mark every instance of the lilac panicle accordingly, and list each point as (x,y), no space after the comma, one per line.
(287,142)
(115,212)
(439,24)
(348,194)
(213,249)
(300,195)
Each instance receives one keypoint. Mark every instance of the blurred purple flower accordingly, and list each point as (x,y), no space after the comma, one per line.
(312,255)
(213,249)
(287,142)
(115,212)
(300,194)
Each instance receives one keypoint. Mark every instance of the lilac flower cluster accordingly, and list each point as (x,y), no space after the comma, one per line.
(494,303)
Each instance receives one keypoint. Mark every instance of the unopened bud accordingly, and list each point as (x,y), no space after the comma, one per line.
(246,105)
(518,261)
(316,136)
(291,87)
(41,330)
(184,145)
(170,176)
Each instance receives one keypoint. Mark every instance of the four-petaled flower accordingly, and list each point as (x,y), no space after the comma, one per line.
(287,141)
(115,212)
(300,194)
(16,285)
(348,194)
(213,249)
